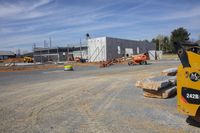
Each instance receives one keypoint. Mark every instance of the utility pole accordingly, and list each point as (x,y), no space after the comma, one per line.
(34,46)
(80,48)
(49,47)
(67,52)
(18,52)
(58,54)
(41,56)
(44,43)
(48,53)
(50,41)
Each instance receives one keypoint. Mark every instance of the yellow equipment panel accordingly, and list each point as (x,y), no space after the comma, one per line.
(188,86)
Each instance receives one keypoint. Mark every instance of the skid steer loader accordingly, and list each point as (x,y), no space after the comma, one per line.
(188,79)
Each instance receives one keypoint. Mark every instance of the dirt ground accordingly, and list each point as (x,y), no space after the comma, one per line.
(88,100)
(31,67)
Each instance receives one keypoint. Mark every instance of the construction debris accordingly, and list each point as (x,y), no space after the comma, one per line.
(163,86)
(114,61)
(169,72)
(106,63)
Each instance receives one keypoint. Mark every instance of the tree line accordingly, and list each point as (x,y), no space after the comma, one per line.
(165,43)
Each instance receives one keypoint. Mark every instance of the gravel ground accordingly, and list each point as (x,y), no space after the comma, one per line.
(87,100)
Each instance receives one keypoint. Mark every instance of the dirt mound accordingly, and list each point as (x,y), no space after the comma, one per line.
(19,60)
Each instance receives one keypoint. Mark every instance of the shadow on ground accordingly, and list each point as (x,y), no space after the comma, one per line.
(191,121)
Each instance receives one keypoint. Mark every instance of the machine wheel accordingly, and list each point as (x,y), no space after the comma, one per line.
(130,63)
(197,119)
(142,62)
(193,121)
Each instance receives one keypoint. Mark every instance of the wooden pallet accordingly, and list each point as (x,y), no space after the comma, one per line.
(156,83)
(163,93)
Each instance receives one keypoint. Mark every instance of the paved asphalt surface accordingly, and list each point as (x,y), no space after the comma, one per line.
(87,100)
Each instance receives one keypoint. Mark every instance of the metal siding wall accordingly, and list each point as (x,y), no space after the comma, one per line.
(97,49)
(110,50)
(113,43)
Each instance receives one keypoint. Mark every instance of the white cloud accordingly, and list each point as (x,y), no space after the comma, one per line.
(10,41)
(88,28)
(39,4)
(10,9)
(23,10)
(194,12)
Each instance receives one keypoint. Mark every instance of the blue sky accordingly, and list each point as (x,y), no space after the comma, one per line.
(24,22)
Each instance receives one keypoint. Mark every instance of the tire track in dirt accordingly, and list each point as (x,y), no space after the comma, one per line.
(97,81)
(58,100)
(61,97)
(91,91)
(93,117)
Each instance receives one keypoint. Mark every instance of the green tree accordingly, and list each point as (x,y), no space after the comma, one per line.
(162,43)
(179,35)
(166,44)
(156,42)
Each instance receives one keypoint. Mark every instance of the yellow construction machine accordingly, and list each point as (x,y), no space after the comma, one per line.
(28,59)
(188,79)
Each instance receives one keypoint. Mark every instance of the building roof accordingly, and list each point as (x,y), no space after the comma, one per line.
(6,53)
(135,41)
(72,48)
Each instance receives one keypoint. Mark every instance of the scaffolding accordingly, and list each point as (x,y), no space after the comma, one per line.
(56,54)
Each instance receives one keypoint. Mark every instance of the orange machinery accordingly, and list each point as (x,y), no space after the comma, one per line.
(139,59)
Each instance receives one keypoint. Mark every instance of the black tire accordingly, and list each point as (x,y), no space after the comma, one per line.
(142,62)
(193,121)
(129,63)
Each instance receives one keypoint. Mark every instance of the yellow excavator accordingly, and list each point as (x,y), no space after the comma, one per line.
(188,79)
(28,59)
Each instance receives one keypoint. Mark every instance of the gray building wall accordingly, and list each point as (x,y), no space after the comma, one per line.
(6,55)
(113,45)
(56,54)
(107,48)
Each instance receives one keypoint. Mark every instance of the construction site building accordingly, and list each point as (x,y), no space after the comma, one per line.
(58,54)
(6,55)
(108,48)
